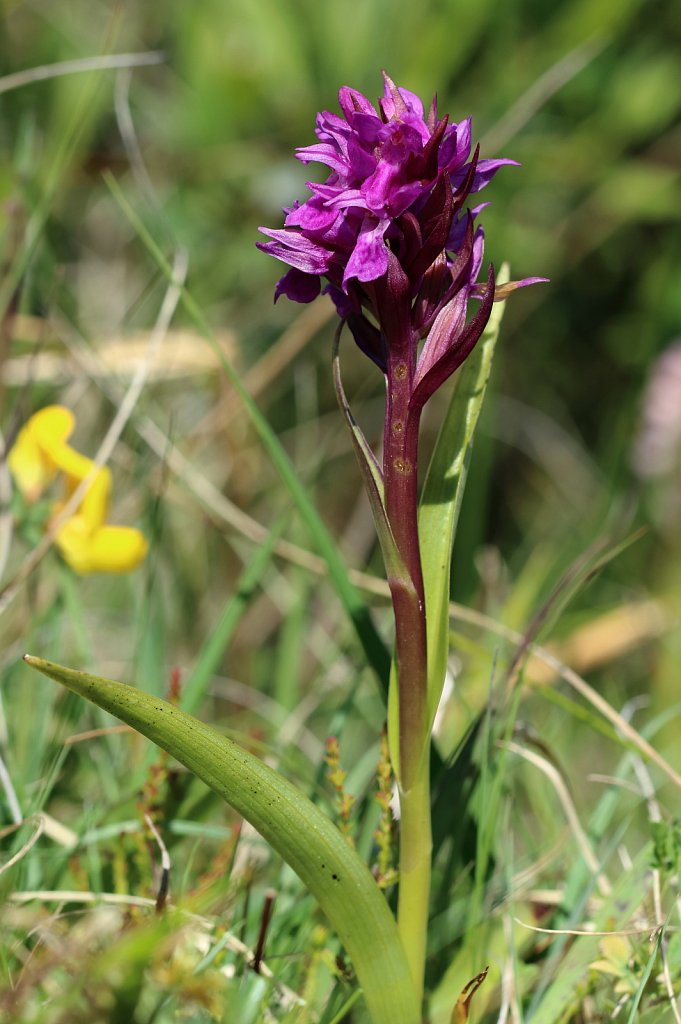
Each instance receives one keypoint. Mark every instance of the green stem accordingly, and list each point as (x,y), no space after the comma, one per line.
(415,855)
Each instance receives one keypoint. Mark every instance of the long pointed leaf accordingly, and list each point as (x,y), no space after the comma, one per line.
(443,493)
(289,821)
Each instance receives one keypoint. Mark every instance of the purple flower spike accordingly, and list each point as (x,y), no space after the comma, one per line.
(392,234)
(396,195)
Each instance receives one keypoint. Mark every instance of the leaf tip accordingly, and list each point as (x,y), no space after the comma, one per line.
(38,663)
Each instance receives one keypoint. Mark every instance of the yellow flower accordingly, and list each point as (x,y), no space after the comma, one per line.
(87,542)
(35,456)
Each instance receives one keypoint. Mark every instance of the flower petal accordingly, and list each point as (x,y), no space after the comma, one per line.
(484,173)
(294,248)
(369,259)
(40,450)
(313,215)
(95,505)
(297,286)
(324,153)
(456,145)
(52,425)
(352,102)
(109,549)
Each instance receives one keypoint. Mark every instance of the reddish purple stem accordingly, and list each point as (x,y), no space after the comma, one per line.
(401,497)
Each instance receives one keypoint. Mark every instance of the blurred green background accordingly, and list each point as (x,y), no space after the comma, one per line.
(586,94)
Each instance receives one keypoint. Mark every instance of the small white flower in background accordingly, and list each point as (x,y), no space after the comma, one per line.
(657,449)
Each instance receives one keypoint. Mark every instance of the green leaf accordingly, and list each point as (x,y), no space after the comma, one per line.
(645,974)
(373,485)
(443,493)
(289,821)
(196,686)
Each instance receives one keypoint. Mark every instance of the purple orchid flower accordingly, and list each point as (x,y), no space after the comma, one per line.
(398,184)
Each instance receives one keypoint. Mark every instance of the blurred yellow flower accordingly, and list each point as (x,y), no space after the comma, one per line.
(86,541)
(35,457)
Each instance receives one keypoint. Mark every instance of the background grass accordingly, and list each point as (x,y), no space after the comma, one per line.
(586,94)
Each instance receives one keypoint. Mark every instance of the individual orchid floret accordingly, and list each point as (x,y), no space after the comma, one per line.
(86,541)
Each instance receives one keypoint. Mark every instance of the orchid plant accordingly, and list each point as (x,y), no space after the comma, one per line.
(392,238)
(401,256)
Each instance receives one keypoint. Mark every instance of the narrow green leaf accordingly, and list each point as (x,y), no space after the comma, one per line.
(196,686)
(351,599)
(373,484)
(645,974)
(289,821)
(443,493)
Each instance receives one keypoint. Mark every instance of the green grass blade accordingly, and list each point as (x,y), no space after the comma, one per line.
(303,836)
(351,599)
(196,686)
(443,493)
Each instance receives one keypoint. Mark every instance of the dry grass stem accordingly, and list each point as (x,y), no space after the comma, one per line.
(104,62)
(558,783)
(10,794)
(650,931)
(28,845)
